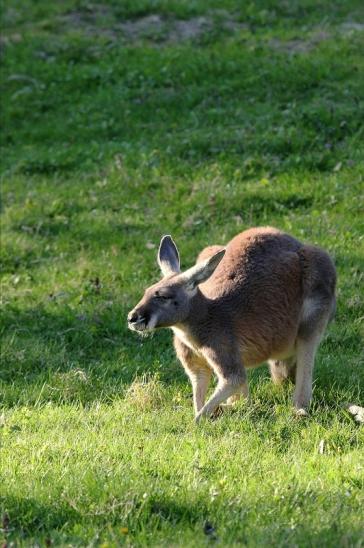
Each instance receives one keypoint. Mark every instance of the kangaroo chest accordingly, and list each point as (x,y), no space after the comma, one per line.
(186,337)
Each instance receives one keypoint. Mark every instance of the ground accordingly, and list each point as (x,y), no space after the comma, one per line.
(123,121)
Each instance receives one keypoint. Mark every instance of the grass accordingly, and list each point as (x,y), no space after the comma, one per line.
(119,127)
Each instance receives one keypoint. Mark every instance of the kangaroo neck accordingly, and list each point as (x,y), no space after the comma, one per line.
(199,308)
(189,330)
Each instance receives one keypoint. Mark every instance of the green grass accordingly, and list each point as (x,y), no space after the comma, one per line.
(117,130)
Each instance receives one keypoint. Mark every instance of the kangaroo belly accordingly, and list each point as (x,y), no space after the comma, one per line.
(270,337)
(254,356)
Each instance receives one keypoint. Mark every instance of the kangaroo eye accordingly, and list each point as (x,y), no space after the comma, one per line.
(162,297)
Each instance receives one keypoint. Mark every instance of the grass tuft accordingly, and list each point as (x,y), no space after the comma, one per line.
(145,393)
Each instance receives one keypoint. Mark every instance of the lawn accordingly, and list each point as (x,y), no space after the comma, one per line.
(123,121)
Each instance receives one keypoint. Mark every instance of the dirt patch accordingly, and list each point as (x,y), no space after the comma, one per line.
(154,27)
(304,45)
(91,16)
(299,45)
(350,27)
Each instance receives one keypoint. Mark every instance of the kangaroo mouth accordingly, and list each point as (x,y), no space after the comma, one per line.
(143,325)
(139,325)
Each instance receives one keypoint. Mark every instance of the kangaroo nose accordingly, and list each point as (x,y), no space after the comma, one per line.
(132,317)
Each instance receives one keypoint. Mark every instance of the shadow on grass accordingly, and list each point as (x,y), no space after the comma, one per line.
(44,226)
(28,517)
(55,353)
(44,233)
(259,520)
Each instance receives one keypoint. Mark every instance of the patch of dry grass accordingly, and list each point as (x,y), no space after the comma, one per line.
(146,393)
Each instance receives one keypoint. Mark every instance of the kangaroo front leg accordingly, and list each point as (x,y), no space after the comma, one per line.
(225,389)
(200,380)
(226,363)
(232,400)
(197,370)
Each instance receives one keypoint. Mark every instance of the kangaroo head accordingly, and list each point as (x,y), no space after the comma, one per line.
(168,302)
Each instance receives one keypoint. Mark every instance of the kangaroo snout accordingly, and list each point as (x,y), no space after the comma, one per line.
(137,320)
(133,317)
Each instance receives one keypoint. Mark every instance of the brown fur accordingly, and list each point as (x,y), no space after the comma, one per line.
(269,298)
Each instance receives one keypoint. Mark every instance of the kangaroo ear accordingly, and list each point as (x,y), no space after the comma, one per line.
(202,271)
(168,256)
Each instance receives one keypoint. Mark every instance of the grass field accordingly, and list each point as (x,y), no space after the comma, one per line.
(123,121)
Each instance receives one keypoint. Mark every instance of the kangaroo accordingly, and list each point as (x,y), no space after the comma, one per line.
(263,297)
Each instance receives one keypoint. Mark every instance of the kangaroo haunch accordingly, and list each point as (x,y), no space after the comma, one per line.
(263,297)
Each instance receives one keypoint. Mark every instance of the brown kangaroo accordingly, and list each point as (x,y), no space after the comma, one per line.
(263,297)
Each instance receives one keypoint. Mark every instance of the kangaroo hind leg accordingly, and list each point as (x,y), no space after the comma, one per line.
(307,343)
(283,370)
